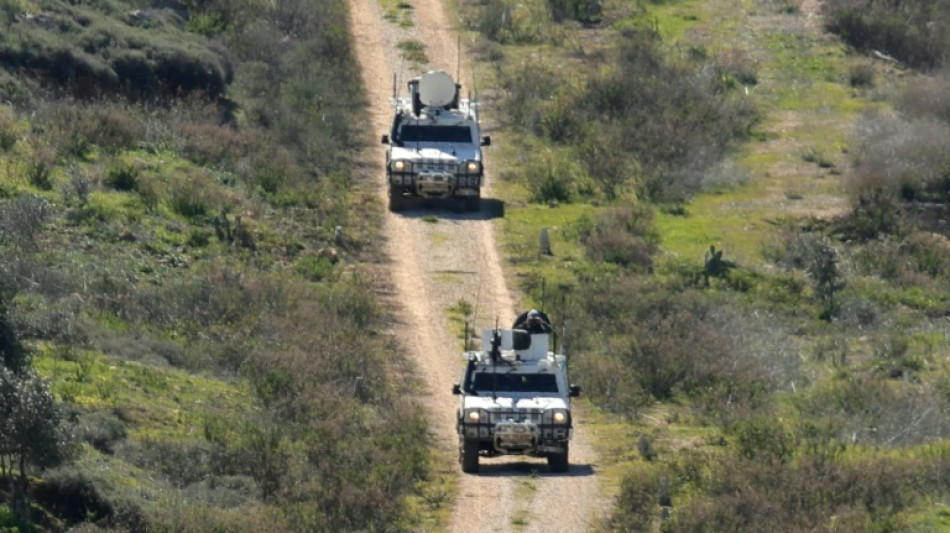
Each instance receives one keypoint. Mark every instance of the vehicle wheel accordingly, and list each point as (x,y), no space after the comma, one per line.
(397,202)
(558,461)
(468,456)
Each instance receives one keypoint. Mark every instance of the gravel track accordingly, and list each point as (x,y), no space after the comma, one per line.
(433,266)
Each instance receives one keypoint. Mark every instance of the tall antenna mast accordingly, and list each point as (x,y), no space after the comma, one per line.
(458,58)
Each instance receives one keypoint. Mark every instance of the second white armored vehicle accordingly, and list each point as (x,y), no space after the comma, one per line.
(434,147)
(515,399)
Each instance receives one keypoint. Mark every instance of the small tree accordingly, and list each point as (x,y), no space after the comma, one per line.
(32,432)
(12,354)
(822,269)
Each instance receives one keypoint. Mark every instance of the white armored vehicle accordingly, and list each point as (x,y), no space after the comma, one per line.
(515,398)
(434,146)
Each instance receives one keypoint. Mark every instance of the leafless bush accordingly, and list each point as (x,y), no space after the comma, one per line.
(872,409)
(75,129)
(907,156)
(623,236)
(895,161)
(916,32)
(526,86)
(664,344)
(23,218)
(214,144)
(79,186)
(102,430)
(861,76)
(737,66)
(927,97)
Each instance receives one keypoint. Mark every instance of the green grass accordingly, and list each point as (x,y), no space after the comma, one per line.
(413,51)
(157,403)
(398,12)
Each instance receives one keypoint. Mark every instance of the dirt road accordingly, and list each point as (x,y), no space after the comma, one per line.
(434,265)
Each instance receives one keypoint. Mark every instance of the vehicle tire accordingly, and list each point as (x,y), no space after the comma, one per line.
(397,202)
(468,456)
(558,461)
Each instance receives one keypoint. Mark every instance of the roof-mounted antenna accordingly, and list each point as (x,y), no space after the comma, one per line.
(465,346)
(458,57)
(495,356)
(543,292)
(394,85)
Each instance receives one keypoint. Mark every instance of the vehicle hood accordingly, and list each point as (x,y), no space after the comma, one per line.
(515,402)
(437,152)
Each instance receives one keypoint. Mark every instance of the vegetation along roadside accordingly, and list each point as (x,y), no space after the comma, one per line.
(745,203)
(187,269)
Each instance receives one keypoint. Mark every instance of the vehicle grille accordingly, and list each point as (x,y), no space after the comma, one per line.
(515,415)
(427,165)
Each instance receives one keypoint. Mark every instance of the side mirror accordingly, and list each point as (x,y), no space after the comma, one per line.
(456,388)
(486,140)
(574,391)
(385,139)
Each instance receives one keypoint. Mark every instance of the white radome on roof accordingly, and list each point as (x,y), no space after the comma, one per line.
(436,88)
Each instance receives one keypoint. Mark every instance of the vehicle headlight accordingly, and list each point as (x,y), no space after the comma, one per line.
(560,416)
(473,416)
(472,167)
(400,166)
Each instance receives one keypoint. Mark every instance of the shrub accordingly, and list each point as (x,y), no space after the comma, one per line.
(638,502)
(34,431)
(9,131)
(191,195)
(927,97)
(872,408)
(916,32)
(78,186)
(23,218)
(313,267)
(122,175)
(548,176)
(587,11)
(623,236)
(627,120)
(861,76)
(13,355)
(74,496)
(896,160)
(102,430)
(527,86)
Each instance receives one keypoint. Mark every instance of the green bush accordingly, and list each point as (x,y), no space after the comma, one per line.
(314,267)
(623,236)
(122,176)
(8,128)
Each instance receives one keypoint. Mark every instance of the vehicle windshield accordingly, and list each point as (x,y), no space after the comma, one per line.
(486,382)
(435,134)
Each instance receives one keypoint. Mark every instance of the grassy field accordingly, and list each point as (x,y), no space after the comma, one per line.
(833,347)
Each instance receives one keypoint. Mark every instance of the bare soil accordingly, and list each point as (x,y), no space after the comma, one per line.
(434,265)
